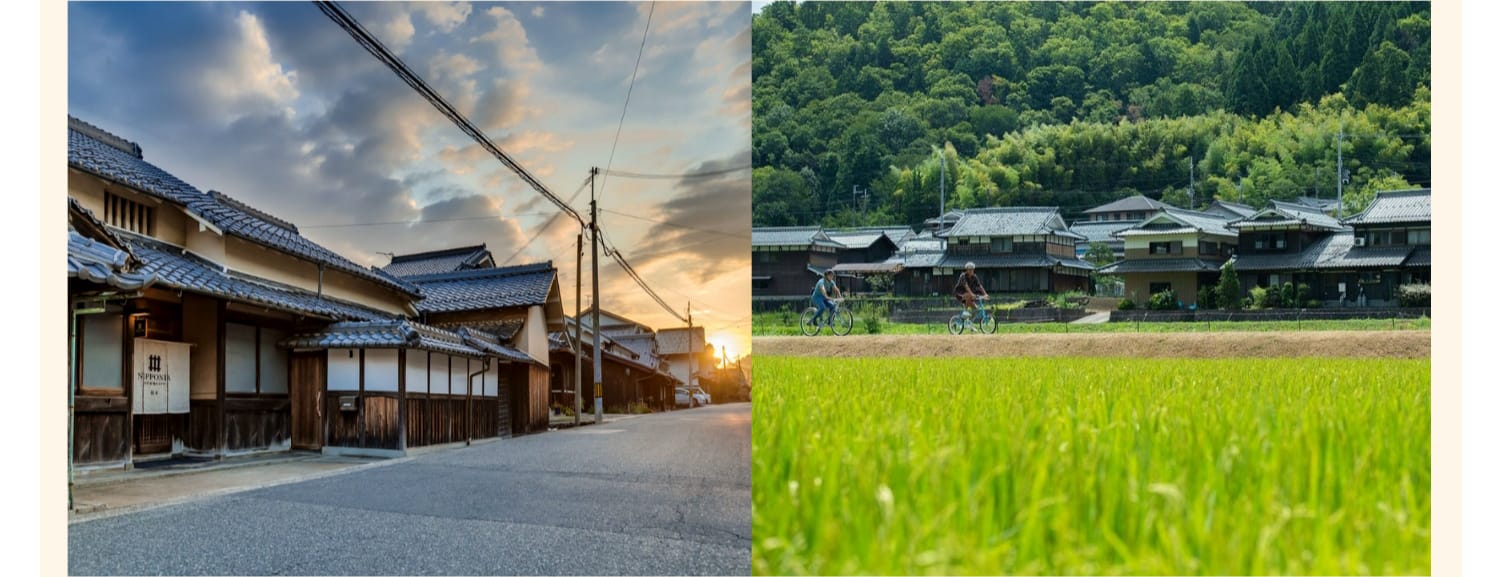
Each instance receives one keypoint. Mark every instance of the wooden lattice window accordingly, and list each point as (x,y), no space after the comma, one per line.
(121,212)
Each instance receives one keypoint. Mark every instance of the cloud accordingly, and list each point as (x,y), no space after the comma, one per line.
(509,37)
(447,66)
(444,15)
(249,75)
(538,11)
(706,221)
(397,32)
(504,105)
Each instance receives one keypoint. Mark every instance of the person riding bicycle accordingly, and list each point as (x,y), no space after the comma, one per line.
(821,295)
(968,290)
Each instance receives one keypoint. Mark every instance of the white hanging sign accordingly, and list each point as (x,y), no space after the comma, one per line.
(161,377)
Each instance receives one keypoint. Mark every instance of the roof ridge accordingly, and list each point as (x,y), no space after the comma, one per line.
(105,137)
(438,252)
(244,207)
(496,272)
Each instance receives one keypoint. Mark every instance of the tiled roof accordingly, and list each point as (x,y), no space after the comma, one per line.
(1012,261)
(1101,231)
(1190,221)
(791,236)
(1231,210)
(96,152)
(1010,221)
(1336,251)
(1282,214)
(923,259)
(1323,204)
(1397,206)
(176,268)
(674,341)
(869,267)
(486,288)
(97,262)
(485,342)
(505,330)
(1421,256)
(1159,265)
(856,239)
(1129,204)
(387,334)
(438,261)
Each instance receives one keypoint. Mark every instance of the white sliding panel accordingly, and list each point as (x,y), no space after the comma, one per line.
(382,370)
(343,369)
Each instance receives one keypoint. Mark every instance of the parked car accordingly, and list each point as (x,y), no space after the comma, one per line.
(702,397)
(684,399)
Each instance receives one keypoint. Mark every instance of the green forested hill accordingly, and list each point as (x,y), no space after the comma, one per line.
(1076,104)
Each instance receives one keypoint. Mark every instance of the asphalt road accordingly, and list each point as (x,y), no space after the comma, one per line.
(660,494)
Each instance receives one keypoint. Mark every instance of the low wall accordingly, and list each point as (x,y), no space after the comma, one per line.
(1344,314)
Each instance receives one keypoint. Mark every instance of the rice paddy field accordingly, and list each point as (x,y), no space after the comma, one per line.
(1020,466)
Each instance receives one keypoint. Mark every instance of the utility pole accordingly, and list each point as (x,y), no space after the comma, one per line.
(692,355)
(1341,170)
(942,187)
(578,336)
(594,324)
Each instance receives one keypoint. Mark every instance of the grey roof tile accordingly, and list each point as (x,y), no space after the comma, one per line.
(439,261)
(791,236)
(96,154)
(486,288)
(1160,265)
(97,262)
(1012,261)
(1010,221)
(173,267)
(402,333)
(1336,251)
(1398,206)
(1129,204)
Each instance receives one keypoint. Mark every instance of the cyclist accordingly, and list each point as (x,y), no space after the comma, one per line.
(969,288)
(821,296)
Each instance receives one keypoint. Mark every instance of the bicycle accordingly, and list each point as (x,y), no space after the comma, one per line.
(839,320)
(964,320)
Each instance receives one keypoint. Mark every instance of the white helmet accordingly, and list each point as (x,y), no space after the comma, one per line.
(969,266)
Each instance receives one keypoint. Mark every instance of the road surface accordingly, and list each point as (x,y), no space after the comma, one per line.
(658,494)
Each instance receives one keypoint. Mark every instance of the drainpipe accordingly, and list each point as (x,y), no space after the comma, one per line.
(320,280)
(469,402)
(72,386)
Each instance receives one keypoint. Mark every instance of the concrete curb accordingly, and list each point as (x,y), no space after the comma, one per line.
(115,477)
(75,518)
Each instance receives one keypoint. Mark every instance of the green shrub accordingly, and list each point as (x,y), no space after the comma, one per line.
(1259,298)
(1208,297)
(1414,295)
(1304,293)
(1229,287)
(1314,303)
(872,324)
(1126,304)
(1163,301)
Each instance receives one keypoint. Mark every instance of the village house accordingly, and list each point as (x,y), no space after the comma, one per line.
(918,260)
(1175,249)
(518,305)
(865,253)
(1229,210)
(205,327)
(1361,260)
(1014,250)
(1129,209)
(685,353)
(785,261)
(634,371)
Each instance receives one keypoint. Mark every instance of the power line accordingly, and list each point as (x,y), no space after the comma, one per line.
(547,224)
(424,221)
(628,92)
(375,48)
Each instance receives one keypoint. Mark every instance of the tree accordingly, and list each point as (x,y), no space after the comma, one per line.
(1099,254)
(1229,287)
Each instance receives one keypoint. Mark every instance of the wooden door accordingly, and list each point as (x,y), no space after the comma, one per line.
(307,399)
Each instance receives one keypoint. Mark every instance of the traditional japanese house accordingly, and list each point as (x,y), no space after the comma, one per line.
(1176,249)
(685,353)
(391,385)
(786,260)
(1101,231)
(865,254)
(440,261)
(1230,210)
(519,306)
(918,260)
(1014,250)
(1131,208)
(177,340)
(940,224)
(653,376)
(629,376)
(1361,260)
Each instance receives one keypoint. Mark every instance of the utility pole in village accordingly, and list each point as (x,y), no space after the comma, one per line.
(598,357)
(1341,170)
(578,336)
(1192,184)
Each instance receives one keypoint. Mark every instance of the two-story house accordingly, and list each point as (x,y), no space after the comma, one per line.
(1175,249)
(1129,209)
(1014,250)
(866,251)
(1360,260)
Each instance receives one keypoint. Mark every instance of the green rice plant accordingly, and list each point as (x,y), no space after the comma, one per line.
(1091,466)
(769,325)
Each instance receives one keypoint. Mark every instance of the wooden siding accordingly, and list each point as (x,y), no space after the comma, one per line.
(252,424)
(99,430)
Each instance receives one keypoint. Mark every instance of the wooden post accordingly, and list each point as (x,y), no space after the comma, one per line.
(401,398)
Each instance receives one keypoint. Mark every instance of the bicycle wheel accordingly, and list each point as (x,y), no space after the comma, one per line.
(989,325)
(956,325)
(809,328)
(843,322)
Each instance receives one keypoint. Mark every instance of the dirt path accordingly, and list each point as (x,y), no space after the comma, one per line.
(1359,344)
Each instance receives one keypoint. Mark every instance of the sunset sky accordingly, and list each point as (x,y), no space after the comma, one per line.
(274,104)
